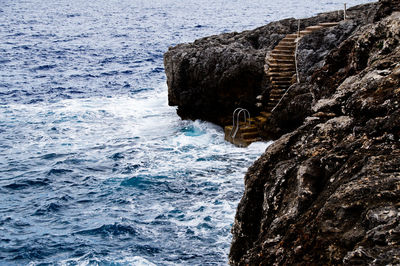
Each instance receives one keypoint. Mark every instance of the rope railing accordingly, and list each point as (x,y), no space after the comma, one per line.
(295,53)
(283,96)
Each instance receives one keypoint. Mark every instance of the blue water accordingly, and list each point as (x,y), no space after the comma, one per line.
(95,168)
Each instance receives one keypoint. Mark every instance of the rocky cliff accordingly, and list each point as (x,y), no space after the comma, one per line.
(209,78)
(327,191)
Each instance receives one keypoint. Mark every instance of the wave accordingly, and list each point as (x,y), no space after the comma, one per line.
(109,230)
(48,209)
(24,184)
(59,172)
(44,67)
(93,260)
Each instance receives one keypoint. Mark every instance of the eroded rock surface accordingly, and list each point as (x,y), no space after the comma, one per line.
(209,78)
(328,192)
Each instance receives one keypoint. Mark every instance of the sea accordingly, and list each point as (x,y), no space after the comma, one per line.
(95,167)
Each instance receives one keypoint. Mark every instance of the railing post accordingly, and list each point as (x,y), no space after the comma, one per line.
(344,12)
(298,28)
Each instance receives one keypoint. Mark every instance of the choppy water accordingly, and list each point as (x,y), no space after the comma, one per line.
(95,168)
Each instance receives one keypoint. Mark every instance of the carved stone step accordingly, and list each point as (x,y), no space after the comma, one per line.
(328,24)
(261,119)
(273,101)
(282,56)
(278,78)
(250,135)
(286,46)
(280,60)
(280,87)
(278,51)
(305,32)
(281,74)
(265,114)
(244,129)
(287,42)
(282,82)
(284,49)
(280,65)
(275,69)
(290,36)
(282,68)
(276,91)
(313,28)
(275,96)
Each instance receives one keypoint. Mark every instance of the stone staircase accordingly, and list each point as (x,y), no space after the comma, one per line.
(247,134)
(280,69)
(280,64)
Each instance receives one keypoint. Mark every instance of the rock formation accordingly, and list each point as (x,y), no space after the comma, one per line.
(211,77)
(327,191)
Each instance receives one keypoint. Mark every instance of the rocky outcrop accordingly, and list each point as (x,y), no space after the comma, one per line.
(209,78)
(312,53)
(328,191)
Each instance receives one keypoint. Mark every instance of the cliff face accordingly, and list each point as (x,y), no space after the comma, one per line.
(211,77)
(328,192)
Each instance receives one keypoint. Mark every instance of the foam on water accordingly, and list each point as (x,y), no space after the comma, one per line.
(122,171)
(95,167)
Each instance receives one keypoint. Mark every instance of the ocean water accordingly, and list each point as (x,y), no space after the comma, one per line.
(95,167)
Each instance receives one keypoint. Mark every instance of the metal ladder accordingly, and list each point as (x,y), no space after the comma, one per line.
(236,117)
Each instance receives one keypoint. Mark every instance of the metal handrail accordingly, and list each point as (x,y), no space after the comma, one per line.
(233,118)
(238,123)
(236,117)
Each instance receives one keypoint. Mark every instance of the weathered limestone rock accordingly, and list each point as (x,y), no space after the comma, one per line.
(328,192)
(209,78)
(313,50)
